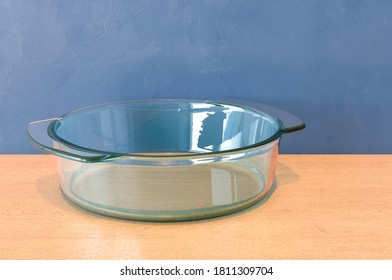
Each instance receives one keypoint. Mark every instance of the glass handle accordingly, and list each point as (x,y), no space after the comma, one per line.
(290,122)
(39,137)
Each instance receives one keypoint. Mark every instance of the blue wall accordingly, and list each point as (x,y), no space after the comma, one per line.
(329,62)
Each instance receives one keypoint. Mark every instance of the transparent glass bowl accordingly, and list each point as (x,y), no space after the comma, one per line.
(166,160)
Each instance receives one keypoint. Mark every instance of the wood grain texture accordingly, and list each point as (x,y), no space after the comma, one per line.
(324,207)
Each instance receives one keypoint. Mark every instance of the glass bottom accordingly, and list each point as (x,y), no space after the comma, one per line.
(166,193)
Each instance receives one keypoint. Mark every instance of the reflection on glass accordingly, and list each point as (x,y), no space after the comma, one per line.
(209,137)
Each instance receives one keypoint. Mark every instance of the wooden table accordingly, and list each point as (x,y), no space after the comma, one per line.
(325,207)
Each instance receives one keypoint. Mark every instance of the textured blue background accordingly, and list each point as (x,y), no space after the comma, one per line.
(329,62)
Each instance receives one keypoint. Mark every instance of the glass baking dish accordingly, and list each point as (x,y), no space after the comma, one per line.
(166,160)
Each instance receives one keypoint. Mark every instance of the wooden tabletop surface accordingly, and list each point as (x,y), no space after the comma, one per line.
(324,207)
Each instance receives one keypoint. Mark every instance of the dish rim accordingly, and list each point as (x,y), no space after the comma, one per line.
(189,155)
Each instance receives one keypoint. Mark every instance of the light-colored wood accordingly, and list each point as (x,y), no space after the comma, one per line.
(325,207)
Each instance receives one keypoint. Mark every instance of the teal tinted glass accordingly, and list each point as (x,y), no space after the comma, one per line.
(164,127)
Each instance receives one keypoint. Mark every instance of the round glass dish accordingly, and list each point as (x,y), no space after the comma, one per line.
(166,160)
